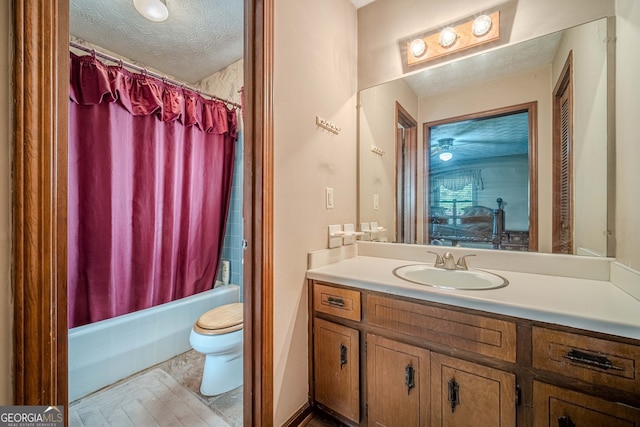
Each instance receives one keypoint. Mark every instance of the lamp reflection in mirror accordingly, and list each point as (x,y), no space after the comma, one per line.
(445,156)
(444,145)
(153,10)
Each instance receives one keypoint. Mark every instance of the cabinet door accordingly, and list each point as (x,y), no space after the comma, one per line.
(467,394)
(336,368)
(397,383)
(558,407)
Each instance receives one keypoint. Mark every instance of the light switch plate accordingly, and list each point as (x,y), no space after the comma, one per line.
(376,202)
(329,197)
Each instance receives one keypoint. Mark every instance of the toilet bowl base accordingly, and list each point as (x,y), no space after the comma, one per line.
(221,374)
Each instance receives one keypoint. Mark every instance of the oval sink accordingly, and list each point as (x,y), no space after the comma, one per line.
(423,274)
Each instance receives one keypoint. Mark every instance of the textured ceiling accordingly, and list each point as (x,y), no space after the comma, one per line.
(481,138)
(487,66)
(199,38)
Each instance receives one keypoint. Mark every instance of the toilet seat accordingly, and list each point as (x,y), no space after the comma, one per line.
(220,320)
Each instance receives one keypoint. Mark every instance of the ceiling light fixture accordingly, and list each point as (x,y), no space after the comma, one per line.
(418,47)
(444,144)
(445,156)
(153,10)
(448,37)
(481,25)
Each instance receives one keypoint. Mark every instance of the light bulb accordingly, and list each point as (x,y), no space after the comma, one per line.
(448,37)
(481,25)
(153,10)
(446,156)
(418,47)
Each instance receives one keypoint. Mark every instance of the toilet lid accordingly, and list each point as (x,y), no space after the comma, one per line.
(221,320)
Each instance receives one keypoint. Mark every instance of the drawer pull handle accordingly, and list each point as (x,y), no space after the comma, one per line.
(336,302)
(565,421)
(454,394)
(343,355)
(601,362)
(409,378)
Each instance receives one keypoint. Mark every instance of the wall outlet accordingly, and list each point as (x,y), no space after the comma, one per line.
(329,197)
(376,202)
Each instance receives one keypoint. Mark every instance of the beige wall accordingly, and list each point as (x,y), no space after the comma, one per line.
(627,141)
(384,23)
(377,174)
(314,74)
(6,309)
(589,45)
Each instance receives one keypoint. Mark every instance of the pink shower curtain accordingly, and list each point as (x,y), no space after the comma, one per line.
(150,169)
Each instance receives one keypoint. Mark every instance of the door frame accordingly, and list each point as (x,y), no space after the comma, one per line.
(40,75)
(532,109)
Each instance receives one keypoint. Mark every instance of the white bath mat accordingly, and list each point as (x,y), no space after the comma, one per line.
(150,399)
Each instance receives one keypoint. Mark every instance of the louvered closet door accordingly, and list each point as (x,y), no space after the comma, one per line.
(563,166)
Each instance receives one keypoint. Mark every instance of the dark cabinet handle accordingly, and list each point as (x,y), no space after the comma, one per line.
(565,421)
(454,394)
(343,355)
(409,378)
(585,358)
(336,302)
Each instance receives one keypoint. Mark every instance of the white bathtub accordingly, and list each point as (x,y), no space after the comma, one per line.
(104,352)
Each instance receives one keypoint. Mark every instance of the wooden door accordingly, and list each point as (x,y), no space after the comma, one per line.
(558,407)
(563,162)
(336,368)
(397,383)
(406,176)
(467,394)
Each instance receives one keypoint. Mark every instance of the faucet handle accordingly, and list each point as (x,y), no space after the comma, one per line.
(439,261)
(462,262)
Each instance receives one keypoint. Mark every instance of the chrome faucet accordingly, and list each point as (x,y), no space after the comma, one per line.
(447,261)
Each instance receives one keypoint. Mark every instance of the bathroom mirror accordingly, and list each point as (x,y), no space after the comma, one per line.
(396,154)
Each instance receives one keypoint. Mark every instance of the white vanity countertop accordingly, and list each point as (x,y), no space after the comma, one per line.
(594,305)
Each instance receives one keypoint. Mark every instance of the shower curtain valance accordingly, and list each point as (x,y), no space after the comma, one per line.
(93,82)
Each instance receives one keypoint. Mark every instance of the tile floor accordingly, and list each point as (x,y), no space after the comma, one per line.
(186,369)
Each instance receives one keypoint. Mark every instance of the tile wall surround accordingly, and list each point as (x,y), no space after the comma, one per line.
(234,231)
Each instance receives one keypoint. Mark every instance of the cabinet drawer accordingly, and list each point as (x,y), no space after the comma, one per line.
(589,359)
(336,301)
(555,406)
(478,334)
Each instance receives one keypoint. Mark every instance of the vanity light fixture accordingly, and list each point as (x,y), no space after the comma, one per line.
(453,38)
(481,25)
(448,37)
(153,10)
(418,47)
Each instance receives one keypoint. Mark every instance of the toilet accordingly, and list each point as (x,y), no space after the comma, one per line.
(218,335)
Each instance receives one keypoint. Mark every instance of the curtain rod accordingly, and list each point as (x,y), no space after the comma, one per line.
(150,73)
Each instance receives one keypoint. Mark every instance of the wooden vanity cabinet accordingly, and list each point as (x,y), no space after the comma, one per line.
(397,383)
(428,364)
(559,407)
(336,355)
(468,394)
